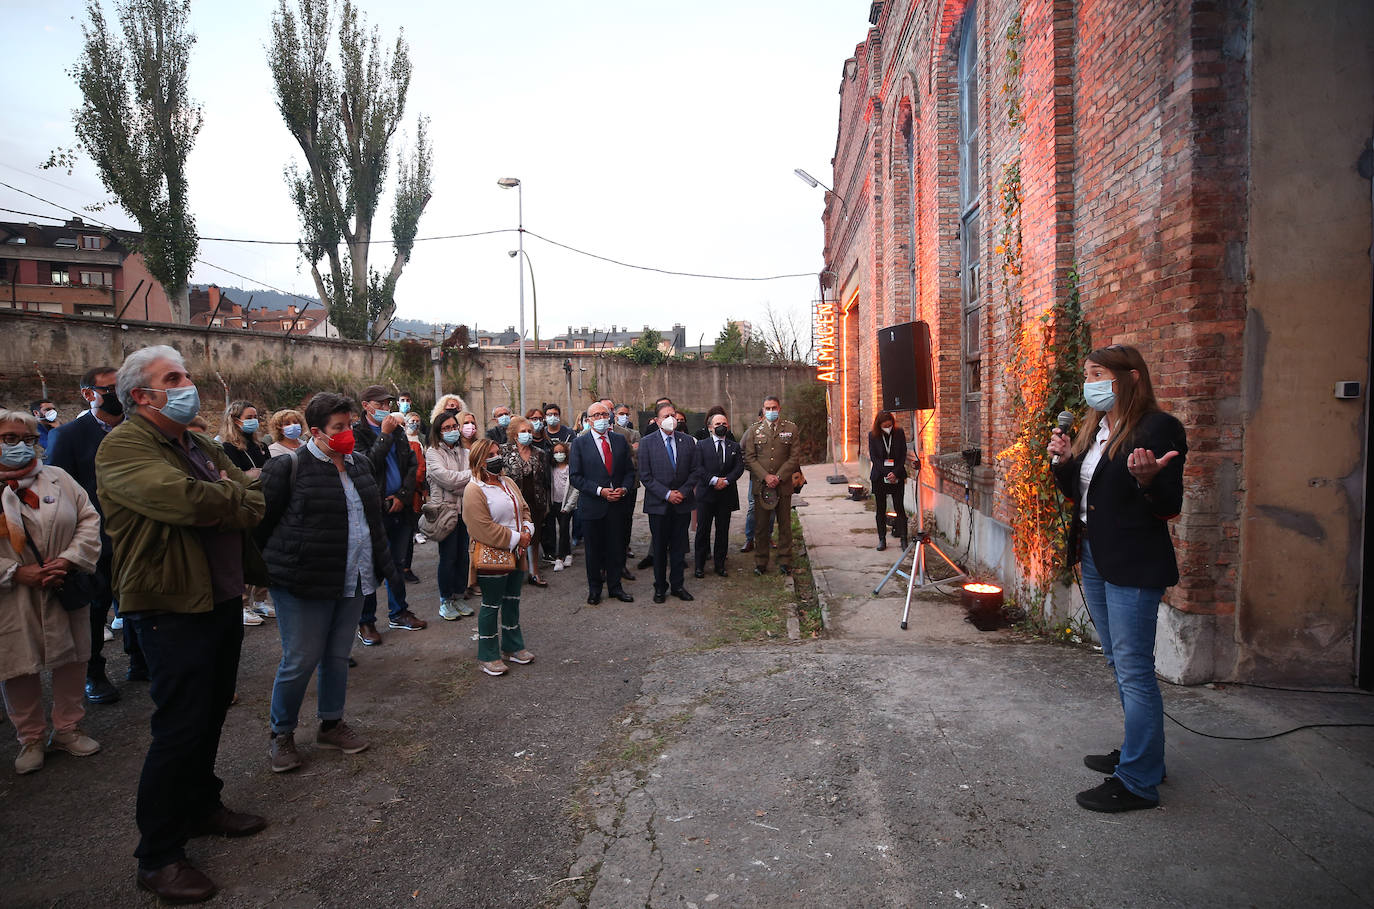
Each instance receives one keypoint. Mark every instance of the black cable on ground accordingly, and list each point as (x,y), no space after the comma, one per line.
(1275,735)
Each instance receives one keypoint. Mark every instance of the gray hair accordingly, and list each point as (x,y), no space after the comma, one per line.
(594,403)
(134,372)
(22,416)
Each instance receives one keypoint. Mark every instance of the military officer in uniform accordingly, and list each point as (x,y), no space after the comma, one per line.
(772,452)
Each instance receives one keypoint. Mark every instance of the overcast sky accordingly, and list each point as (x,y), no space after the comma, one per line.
(654,133)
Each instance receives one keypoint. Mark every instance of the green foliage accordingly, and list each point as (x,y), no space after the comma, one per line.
(644,350)
(344,119)
(804,404)
(138,124)
(729,346)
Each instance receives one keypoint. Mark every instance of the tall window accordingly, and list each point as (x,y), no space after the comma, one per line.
(969,228)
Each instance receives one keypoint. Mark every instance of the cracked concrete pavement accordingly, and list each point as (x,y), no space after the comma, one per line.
(937,767)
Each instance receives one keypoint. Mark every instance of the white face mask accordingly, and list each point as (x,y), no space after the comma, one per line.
(50,415)
(668,423)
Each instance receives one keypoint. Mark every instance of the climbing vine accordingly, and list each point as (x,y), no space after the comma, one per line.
(1042,379)
(1011,82)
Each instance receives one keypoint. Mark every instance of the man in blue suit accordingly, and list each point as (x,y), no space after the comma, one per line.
(72,447)
(598,467)
(722,464)
(670,469)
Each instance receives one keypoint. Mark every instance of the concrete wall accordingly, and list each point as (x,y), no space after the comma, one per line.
(64,347)
(1312,111)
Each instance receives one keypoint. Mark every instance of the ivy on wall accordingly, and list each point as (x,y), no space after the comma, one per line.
(1011,82)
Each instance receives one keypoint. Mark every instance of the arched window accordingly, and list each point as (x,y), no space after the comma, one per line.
(970,232)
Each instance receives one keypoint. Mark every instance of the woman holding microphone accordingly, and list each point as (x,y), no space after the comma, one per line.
(1124,472)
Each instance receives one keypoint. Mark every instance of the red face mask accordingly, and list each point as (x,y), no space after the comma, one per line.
(342,442)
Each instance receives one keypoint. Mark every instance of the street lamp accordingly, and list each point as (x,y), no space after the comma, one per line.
(534,291)
(838,476)
(507,183)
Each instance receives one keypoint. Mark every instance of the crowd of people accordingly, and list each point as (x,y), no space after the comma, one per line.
(304,516)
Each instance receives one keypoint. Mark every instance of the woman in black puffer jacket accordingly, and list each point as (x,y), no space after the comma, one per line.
(325,549)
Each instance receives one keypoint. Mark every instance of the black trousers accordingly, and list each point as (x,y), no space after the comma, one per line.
(605,550)
(668,544)
(100,610)
(193,663)
(548,534)
(631,496)
(708,514)
(881,492)
(564,521)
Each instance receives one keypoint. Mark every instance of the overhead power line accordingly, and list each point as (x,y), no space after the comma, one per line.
(460,236)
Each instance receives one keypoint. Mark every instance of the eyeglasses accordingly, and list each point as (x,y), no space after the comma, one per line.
(103,389)
(11,438)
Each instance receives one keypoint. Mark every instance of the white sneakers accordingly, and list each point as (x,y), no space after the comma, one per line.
(567,561)
(265,609)
(250,617)
(557,565)
(72,741)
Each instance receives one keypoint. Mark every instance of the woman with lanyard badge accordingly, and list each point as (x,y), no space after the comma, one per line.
(887,455)
(1124,472)
(496,516)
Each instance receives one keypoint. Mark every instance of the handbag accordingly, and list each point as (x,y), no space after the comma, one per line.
(491,560)
(438,521)
(570,500)
(78,588)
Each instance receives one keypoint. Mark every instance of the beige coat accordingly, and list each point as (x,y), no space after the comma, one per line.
(447,471)
(481,528)
(35,631)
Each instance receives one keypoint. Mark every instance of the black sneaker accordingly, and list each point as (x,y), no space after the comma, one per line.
(1112,797)
(411,577)
(1103,763)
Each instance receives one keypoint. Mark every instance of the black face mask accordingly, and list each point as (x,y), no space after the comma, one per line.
(495,466)
(451,411)
(722,430)
(110,404)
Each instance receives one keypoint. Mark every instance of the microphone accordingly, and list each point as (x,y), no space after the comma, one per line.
(1065,423)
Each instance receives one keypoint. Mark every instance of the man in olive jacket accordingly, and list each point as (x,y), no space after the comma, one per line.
(178,513)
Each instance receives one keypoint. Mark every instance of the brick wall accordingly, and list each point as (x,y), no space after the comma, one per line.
(1132,155)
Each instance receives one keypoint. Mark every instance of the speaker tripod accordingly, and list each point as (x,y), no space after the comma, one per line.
(916,550)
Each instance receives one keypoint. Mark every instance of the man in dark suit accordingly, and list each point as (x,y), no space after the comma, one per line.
(670,469)
(598,465)
(72,447)
(380,437)
(722,464)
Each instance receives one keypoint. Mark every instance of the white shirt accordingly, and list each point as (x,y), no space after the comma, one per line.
(560,482)
(501,505)
(1088,466)
(597,437)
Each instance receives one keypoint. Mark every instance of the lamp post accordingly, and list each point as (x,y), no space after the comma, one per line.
(838,476)
(534,291)
(507,183)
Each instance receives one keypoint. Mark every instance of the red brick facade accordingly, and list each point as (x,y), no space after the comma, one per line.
(1129,122)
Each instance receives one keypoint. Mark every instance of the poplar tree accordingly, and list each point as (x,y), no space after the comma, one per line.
(138,124)
(344,117)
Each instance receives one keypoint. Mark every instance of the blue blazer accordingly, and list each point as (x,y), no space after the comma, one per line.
(587,471)
(660,477)
(72,447)
(711,466)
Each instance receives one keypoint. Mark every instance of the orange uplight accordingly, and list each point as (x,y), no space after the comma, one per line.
(844,369)
(982,588)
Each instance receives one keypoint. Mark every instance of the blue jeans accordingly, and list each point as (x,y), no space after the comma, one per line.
(453,563)
(313,633)
(1125,619)
(397,529)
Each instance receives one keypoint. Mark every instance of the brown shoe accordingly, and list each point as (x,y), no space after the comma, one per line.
(179,882)
(748,546)
(492,667)
(408,621)
(224,822)
(367,633)
(520,656)
(341,737)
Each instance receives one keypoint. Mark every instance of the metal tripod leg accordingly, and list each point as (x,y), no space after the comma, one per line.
(918,571)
